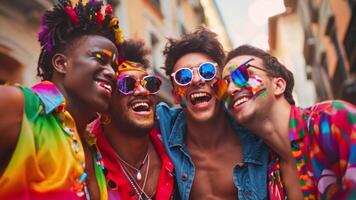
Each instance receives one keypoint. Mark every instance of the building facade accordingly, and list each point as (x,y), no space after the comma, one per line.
(286,38)
(328,44)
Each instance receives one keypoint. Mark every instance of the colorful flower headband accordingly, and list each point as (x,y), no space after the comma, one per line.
(130,66)
(65,19)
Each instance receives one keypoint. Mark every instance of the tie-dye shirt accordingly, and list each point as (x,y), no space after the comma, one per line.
(323,142)
(48,161)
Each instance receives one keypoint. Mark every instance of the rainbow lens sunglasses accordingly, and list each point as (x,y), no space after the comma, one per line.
(184,76)
(240,75)
(127,85)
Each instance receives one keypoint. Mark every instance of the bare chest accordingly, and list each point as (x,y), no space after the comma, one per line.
(214,174)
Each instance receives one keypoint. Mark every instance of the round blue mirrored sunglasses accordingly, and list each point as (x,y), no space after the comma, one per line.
(184,76)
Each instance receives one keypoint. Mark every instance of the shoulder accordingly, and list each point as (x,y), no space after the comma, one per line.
(11,102)
(331,121)
(11,113)
(334,112)
(169,119)
(165,112)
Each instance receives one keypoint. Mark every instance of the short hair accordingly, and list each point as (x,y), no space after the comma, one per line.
(274,67)
(64,23)
(201,41)
(136,51)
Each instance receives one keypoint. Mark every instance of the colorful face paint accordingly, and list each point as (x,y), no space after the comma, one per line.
(254,84)
(131,66)
(106,54)
(111,55)
(220,88)
(228,101)
(181,95)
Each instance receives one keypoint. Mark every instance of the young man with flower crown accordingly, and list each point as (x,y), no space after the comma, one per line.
(45,150)
(137,164)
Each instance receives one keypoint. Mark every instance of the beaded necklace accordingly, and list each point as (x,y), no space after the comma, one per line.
(80,185)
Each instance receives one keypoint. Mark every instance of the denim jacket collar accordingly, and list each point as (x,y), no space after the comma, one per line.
(178,131)
(251,143)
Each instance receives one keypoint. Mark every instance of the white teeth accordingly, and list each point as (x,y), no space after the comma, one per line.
(144,104)
(241,101)
(104,85)
(196,95)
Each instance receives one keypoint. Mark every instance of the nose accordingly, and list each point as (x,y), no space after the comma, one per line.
(140,90)
(109,73)
(197,80)
(232,88)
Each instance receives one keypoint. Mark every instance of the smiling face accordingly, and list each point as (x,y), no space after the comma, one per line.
(134,113)
(197,97)
(88,75)
(254,99)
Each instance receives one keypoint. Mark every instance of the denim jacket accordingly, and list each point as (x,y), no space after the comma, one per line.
(250,179)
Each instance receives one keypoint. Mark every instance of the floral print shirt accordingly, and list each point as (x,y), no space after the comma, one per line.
(323,143)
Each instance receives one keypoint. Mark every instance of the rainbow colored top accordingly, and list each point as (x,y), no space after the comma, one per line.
(323,141)
(48,161)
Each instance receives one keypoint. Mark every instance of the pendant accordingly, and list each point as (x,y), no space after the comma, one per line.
(138,176)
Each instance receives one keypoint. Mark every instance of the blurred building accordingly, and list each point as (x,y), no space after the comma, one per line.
(149,20)
(215,22)
(326,32)
(19,49)
(286,39)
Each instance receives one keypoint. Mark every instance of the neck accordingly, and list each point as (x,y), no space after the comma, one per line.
(273,128)
(77,110)
(207,134)
(130,147)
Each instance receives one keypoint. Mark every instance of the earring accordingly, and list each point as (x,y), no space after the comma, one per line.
(65,64)
(105,119)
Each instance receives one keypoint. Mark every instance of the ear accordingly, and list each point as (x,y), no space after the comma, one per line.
(60,63)
(279,85)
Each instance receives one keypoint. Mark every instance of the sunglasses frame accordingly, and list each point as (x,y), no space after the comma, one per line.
(139,82)
(247,65)
(191,71)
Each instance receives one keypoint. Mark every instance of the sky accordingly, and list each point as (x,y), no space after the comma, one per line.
(247,20)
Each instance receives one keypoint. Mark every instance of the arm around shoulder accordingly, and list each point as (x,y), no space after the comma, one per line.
(11,112)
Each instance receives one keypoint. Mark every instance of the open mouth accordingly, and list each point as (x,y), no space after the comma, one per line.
(140,106)
(241,100)
(199,97)
(105,85)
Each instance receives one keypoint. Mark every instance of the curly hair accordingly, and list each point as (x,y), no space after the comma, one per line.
(64,23)
(136,51)
(201,41)
(274,67)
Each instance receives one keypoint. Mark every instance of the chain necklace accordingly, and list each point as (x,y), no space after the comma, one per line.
(139,190)
(137,170)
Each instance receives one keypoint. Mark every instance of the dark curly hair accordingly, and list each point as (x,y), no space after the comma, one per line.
(274,67)
(136,51)
(64,23)
(201,41)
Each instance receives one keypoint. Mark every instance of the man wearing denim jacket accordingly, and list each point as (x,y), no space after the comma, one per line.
(214,157)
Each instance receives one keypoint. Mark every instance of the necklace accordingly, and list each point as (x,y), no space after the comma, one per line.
(138,170)
(139,190)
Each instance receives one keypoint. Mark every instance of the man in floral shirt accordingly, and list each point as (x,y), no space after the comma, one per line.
(315,148)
